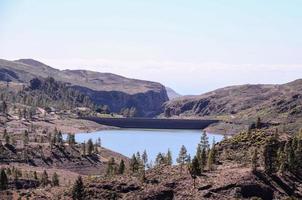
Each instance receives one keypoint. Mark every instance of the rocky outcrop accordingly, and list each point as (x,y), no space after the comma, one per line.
(103,88)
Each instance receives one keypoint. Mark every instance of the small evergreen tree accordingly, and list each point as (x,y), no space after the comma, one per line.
(55,179)
(89,147)
(258,123)
(121,168)
(211,158)
(254,160)
(35,175)
(160,159)
(83,148)
(25,137)
(134,164)
(169,160)
(204,141)
(44,179)
(3,180)
(78,192)
(194,169)
(145,158)
(111,168)
(270,155)
(182,157)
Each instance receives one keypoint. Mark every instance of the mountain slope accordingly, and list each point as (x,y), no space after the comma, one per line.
(172,94)
(103,88)
(273,103)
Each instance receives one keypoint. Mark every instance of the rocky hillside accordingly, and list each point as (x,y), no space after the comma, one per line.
(273,103)
(103,88)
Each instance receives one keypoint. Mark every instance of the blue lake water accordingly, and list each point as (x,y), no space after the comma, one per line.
(129,141)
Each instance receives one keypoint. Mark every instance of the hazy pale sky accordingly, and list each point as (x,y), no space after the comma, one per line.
(191,46)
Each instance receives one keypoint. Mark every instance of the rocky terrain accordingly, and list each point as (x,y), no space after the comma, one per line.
(232,177)
(112,90)
(279,105)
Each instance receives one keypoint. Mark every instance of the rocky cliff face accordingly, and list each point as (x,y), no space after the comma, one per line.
(103,88)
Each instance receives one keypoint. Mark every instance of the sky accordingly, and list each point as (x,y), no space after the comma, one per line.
(190,46)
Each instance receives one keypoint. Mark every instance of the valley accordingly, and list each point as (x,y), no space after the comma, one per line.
(62,139)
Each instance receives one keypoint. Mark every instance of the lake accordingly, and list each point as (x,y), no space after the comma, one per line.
(129,141)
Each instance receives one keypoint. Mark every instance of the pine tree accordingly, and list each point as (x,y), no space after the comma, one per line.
(78,192)
(111,169)
(254,160)
(121,168)
(44,179)
(160,159)
(182,157)
(281,160)
(35,175)
(204,141)
(3,180)
(55,179)
(25,137)
(83,148)
(4,107)
(258,123)
(59,138)
(198,152)
(145,158)
(134,165)
(290,156)
(194,169)
(71,139)
(6,137)
(89,147)
(211,158)
(168,159)
(270,155)
(138,157)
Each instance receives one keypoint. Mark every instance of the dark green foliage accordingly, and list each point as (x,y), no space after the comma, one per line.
(3,180)
(254,160)
(83,148)
(258,123)
(145,158)
(194,168)
(111,167)
(168,158)
(55,179)
(25,137)
(35,175)
(78,192)
(47,93)
(183,157)
(89,147)
(4,107)
(122,167)
(270,155)
(160,159)
(134,164)
(204,141)
(44,179)
(71,139)
(211,158)
(59,137)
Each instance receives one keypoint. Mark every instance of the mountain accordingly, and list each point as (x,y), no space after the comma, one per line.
(171,93)
(274,104)
(103,88)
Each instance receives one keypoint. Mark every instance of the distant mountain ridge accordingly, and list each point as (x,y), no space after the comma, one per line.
(103,88)
(273,103)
